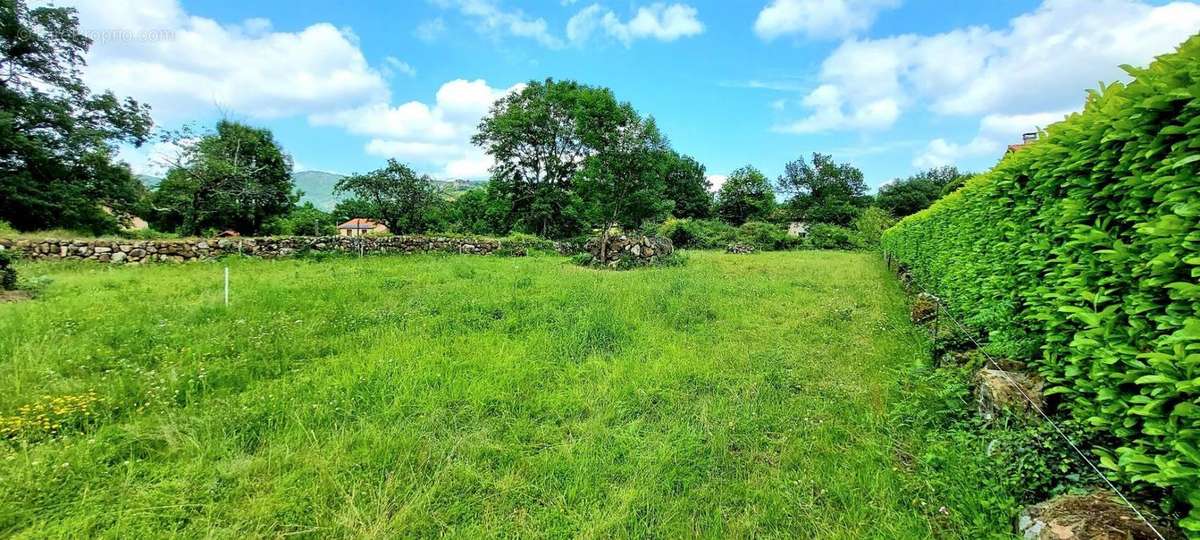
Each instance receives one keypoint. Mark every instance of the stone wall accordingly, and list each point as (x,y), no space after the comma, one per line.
(145,251)
(629,250)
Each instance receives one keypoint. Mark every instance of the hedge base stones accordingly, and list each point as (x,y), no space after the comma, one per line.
(1095,516)
(739,249)
(1001,392)
(924,308)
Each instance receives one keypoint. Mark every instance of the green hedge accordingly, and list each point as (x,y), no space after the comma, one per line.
(1082,254)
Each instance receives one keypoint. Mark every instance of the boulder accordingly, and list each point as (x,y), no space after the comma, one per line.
(1000,391)
(1094,516)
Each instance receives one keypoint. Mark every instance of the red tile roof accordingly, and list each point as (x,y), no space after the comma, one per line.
(359,223)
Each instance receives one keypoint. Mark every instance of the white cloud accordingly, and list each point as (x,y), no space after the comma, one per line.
(491,19)
(181,64)
(818,18)
(830,113)
(431,30)
(996,131)
(657,21)
(1041,62)
(436,135)
(391,65)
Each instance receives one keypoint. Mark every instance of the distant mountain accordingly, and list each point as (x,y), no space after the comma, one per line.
(147,180)
(317,186)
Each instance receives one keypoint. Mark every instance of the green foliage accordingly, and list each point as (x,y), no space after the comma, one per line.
(620,182)
(354,207)
(145,234)
(236,177)
(6,229)
(686,185)
(57,138)
(472,212)
(870,225)
(915,193)
(403,200)
(8,274)
(765,236)
(823,192)
(745,196)
(829,236)
(1081,253)
(303,220)
(697,233)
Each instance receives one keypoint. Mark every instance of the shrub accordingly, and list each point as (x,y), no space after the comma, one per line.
(870,225)
(1081,252)
(697,233)
(764,236)
(8,274)
(827,236)
(6,229)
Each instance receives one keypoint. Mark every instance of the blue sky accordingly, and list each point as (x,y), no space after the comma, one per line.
(889,85)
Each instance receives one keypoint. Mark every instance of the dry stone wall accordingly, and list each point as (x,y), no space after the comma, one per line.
(146,251)
(632,250)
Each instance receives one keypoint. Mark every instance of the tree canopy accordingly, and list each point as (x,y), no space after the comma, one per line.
(236,177)
(57,138)
(401,198)
(823,191)
(917,192)
(745,196)
(686,185)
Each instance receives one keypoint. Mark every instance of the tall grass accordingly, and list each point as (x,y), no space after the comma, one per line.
(463,396)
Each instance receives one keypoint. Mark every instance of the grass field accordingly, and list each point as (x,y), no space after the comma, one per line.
(735,396)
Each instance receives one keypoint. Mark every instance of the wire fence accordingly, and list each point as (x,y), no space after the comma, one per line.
(1034,405)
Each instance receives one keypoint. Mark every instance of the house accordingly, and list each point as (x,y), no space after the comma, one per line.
(797,229)
(361,226)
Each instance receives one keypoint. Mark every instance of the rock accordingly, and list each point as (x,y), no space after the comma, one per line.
(137,253)
(740,249)
(999,391)
(118,257)
(1095,516)
(924,308)
(103,249)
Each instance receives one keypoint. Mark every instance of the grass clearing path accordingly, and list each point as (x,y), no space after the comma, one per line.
(736,396)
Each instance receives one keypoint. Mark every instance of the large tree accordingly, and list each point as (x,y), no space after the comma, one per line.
(823,191)
(745,196)
(236,177)
(917,192)
(620,182)
(57,138)
(402,199)
(537,138)
(685,185)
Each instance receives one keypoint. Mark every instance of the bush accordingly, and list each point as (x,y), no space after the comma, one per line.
(697,233)
(870,225)
(765,236)
(827,236)
(1081,252)
(6,229)
(8,274)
